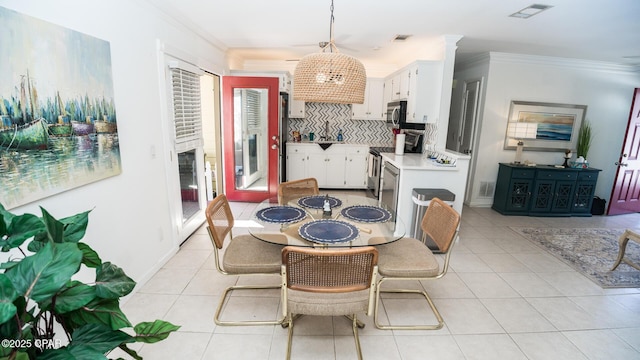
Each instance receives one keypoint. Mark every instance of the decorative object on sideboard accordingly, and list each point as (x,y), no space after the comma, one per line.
(520,131)
(329,77)
(567,156)
(585,136)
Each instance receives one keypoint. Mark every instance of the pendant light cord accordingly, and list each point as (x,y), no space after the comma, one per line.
(331,41)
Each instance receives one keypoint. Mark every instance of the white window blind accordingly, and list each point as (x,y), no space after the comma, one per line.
(252,109)
(186,106)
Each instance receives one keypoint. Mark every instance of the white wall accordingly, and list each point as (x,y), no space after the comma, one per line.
(130,224)
(606,89)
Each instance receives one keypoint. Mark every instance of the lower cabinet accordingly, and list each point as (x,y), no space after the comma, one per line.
(544,190)
(338,166)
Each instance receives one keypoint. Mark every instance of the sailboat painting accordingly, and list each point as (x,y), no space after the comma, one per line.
(58,125)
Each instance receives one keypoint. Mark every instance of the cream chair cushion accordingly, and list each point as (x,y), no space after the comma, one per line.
(247,255)
(407,257)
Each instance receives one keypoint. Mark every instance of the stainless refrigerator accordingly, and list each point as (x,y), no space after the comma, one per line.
(283,134)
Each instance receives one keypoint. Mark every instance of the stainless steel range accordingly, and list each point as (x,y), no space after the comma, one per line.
(375,164)
(413,144)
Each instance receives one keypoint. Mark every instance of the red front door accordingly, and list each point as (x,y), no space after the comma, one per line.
(250,143)
(625,196)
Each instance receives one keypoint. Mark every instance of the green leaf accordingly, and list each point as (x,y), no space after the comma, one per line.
(75,296)
(98,311)
(42,275)
(19,356)
(112,282)
(151,332)
(7,295)
(131,352)
(89,257)
(99,337)
(55,228)
(75,226)
(72,353)
(20,229)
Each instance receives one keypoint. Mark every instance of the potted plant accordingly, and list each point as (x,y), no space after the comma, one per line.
(585,136)
(38,296)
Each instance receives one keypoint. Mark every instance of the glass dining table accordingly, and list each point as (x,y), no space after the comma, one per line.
(352,220)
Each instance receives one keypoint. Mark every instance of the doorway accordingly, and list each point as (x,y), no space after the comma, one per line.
(625,195)
(251,143)
(468,129)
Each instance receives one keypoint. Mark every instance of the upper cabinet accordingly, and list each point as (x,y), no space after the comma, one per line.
(296,107)
(373,106)
(425,91)
(398,84)
(420,84)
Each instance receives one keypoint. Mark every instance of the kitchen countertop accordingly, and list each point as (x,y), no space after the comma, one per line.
(421,162)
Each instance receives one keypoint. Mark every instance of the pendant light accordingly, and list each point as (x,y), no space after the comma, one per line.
(329,76)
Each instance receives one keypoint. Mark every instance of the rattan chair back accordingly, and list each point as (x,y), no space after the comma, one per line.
(219,219)
(329,271)
(294,189)
(440,223)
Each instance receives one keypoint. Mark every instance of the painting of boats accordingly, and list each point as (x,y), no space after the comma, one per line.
(33,135)
(51,108)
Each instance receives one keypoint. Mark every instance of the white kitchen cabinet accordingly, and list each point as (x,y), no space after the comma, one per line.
(423,103)
(372,108)
(356,167)
(387,95)
(400,84)
(296,162)
(339,166)
(296,107)
(327,168)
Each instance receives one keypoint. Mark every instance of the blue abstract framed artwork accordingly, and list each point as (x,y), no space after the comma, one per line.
(556,125)
(58,126)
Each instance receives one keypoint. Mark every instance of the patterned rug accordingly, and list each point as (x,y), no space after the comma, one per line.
(592,252)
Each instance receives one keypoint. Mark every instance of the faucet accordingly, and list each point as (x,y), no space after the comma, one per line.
(326,130)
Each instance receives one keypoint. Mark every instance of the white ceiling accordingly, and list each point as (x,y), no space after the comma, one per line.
(280,30)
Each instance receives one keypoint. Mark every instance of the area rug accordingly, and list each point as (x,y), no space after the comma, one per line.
(590,251)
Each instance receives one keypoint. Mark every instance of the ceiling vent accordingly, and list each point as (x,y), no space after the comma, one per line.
(530,10)
(401,37)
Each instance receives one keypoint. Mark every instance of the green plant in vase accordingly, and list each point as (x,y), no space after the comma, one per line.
(585,137)
(39,297)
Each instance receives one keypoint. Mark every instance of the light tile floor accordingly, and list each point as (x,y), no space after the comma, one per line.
(503,298)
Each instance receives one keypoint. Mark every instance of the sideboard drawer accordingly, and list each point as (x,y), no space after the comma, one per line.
(523,173)
(588,176)
(557,175)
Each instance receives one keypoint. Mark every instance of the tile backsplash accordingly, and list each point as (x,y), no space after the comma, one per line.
(370,132)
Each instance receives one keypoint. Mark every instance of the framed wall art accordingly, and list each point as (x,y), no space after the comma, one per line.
(58,125)
(550,127)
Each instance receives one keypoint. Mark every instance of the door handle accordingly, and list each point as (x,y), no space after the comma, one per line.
(621,164)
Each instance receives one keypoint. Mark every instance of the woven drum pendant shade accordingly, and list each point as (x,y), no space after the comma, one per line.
(329,77)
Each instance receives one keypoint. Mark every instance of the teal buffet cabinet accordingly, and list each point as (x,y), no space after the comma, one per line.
(544,190)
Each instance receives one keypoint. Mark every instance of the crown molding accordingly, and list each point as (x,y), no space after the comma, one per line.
(561,62)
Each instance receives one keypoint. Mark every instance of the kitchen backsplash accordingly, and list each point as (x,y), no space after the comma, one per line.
(370,132)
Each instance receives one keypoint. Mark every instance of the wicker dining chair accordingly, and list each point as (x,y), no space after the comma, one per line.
(410,259)
(294,189)
(328,283)
(243,255)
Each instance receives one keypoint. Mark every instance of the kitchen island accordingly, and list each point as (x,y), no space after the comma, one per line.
(418,171)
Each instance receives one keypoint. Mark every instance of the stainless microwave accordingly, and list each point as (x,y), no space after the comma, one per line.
(397,116)
(396,113)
